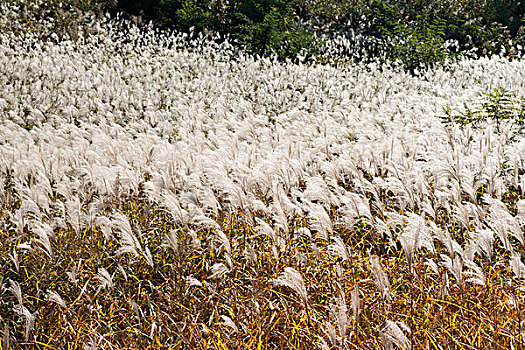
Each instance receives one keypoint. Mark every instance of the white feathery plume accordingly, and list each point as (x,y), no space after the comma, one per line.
(317,190)
(402,193)
(428,208)
(354,206)
(18,220)
(104,278)
(16,261)
(28,317)
(432,265)
(475,274)
(129,243)
(395,220)
(202,221)
(172,204)
(392,334)
(209,201)
(503,222)
(227,321)
(28,208)
(73,211)
(520,205)
(339,248)
(255,205)
(224,242)
(56,298)
(265,229)
(171,241)
(17,291)
(331,333)
(90,217)
(516,266)
(291,278)
(73,275)
(193,282)
(217,270)
(321,220)
(355,303)
(383,229)
(415,235)
(454,266)
(381,279)
(452,246)
(484,239)
(277,241)
(339,310)
(278,215)
(461,215)
(103,223)
(43,231)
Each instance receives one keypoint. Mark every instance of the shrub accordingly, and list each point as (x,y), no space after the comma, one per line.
(270,28)
(499,105)
(417,45)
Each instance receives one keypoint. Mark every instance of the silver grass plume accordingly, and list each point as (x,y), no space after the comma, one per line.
(444,237)
(73,212)
(193,282)
(484,239)
(520,205)
(516,266)
(317,190)
(103,224)
(381,279)
(202,221)
(278,243)
(502,222)
(28,317)
(14,258)
(291,278)
(339,310)
(43,231)
(278,215)
(454,266)
(128,241)
(415,235)
(475,273)
(321,220)
(104,278)
(227,321)
(461,215)
(355,303)
(56,298)
(172,204)
(17,291)
(29,209)
(331,333)
(339,248)
(218,270)
(171,241)
(392,334)
(354,207)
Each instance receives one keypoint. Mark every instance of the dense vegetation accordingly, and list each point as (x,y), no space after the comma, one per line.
(416,33)
(288,186)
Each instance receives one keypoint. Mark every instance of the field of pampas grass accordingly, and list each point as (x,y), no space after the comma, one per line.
(158,192)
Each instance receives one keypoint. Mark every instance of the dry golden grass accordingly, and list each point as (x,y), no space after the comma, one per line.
(156,307)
